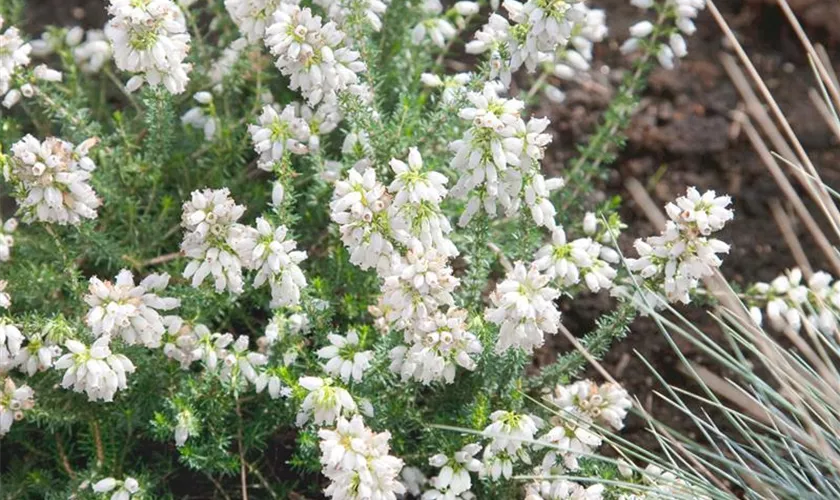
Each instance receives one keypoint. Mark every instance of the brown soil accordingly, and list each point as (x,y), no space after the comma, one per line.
(682,136)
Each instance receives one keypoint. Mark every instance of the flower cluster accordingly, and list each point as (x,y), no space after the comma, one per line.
(239,361)
(251,16)
(94,52)
(202,115)
(454,86)
(417,285)
(150,39)
(312,54)
(14,55)
(360,208)
(683,254)
(358,462)
(568,262)
(580,406)
(540,32)
(346,12)
(188,343)
(94,369)
(435,346)
(415,213)
(454,478)
(122,489)
(14,402)
(37,354)
(269,251)
(659,483)
(51,180)
(683,13)
(127,310)
(324,402)
(524,309)
(344,357)
(788,303)
(436,28)
(509,434)
(498,159)
(562,489)
(212,233)
(11,340)
(278,133)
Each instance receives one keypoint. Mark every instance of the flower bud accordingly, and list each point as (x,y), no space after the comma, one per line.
(277,194)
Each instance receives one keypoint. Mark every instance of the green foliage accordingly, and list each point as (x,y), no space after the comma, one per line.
(148,164)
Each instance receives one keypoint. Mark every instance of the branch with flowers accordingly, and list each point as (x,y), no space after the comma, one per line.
(333,242)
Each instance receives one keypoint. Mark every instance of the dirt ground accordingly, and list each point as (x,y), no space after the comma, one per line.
(681,136)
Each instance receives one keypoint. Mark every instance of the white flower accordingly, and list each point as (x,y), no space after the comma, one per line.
(128,310)
(94,53)
(358,463)
(94,370)
(184,424)
(344,357)
(507,432)
(280,325)
(360,208)
(684,12)
(341,11)
(5,298)
(311,54)
(570,439)
(6,238)
(707,213)
(224,65)
(276,133)
(562,489)
(321,121)
(606,404)
(436,346)
(436,29)
(270,380)
(14,55)
(122,490)
(415,211)
(568,261)
(788,302)
(324,403)
(524,309)
(201,118)
(210,220)
(52,180)
(454,86)
(346,446)
(683,254)
(454,476)
(417,286)
(240,361)
(187,343)
(38,353)
(509,429)
(150,39)
(14,401)
(268,251)
(251,16)
(11,340)
(498,159)
(414,480)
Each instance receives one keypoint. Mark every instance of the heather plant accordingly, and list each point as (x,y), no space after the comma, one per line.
(246,226)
